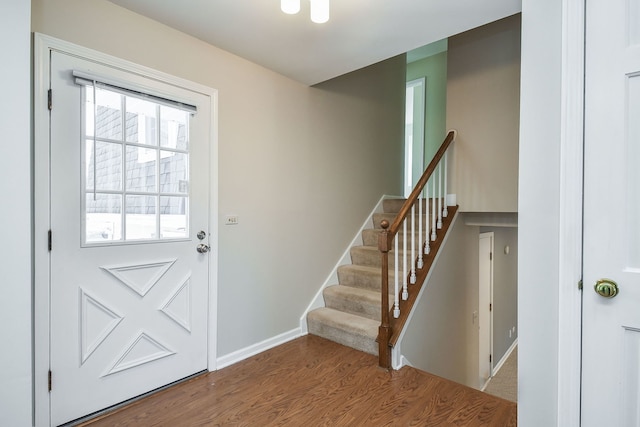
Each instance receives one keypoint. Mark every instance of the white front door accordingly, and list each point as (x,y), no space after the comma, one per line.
(611,326)
(129,190)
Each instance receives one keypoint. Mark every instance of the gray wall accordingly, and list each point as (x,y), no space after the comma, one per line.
(441,337)
(483,101)
(15,216)
(301,167)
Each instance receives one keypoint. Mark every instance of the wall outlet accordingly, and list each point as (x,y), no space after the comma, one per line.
(231,219)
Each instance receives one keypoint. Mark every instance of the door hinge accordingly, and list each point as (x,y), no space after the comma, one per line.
(490,256)
(50,99)
(489,362)
(490,307)
(580,285)
(49,240)
(49,380)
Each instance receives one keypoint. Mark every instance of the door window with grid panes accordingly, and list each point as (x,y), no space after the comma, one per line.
(136,169)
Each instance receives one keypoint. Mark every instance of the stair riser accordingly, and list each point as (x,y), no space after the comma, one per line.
(358,279)
(360,307)
(342,336)
(354,307)
(370,258)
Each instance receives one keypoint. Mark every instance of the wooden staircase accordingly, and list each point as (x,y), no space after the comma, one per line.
(352,311)
(353,314)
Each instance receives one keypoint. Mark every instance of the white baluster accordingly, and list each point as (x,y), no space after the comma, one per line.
(445,211)
(433,209)
(405,293)
(420,260)
(396,302)
(427,240)
(413,243)
(440,195)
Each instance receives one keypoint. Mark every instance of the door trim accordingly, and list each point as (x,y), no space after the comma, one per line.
(570,214)
(43,45)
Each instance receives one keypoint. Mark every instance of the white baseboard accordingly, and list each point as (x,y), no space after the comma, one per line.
(257,348)
(500,363)
(505,357)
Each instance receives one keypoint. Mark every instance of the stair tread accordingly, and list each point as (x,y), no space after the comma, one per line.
(353,292)
(363,248)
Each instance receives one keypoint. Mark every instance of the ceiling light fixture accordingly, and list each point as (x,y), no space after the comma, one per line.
(290,7)
(319,9)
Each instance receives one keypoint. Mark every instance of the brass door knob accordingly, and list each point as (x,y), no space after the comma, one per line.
(606,288)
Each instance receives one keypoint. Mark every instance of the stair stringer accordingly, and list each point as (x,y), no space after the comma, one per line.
(397,359)
(332,279)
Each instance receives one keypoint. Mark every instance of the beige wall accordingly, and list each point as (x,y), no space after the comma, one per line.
(483,104)
(441,337)
(301,167)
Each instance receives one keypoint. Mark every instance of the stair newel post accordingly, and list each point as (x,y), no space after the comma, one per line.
(384,331)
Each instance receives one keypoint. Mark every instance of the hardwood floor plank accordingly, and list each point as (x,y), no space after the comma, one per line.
(314,382)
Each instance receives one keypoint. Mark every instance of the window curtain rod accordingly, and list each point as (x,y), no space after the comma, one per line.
(85,79)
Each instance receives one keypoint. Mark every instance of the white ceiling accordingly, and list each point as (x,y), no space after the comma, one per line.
(359,33)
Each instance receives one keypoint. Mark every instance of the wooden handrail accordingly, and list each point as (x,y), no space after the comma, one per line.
(389,231)
(413,197)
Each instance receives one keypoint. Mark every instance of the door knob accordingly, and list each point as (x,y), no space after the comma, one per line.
(606,288)
(202,248)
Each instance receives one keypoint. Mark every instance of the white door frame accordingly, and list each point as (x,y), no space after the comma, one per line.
(570,214)
(418,138)
(43,45)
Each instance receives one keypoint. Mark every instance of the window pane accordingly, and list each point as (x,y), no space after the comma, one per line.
(109,113)
(174,172)
(141,217)
(173,217)
(174,127)
(108,166)
(141,121)
(103,218)
(141,169)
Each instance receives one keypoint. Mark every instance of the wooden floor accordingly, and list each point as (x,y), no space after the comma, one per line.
(314,382)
